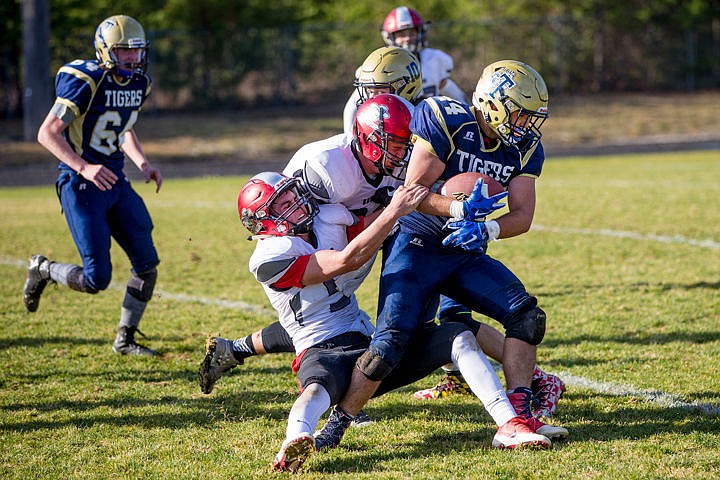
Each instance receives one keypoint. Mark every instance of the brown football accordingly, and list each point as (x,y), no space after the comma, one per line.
(462,184)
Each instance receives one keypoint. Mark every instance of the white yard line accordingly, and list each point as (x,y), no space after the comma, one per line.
(632,235)
(652,396)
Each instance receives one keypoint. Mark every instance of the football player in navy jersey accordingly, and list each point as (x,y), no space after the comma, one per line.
(89,129)
(498,135)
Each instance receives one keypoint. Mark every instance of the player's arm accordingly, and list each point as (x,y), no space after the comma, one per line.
(326,264)
(50,136)
(521,207)
(131,147)
(424,168)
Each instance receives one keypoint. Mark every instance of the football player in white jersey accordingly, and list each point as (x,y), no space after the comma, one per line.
(404,27)
(358,171)
(310,265)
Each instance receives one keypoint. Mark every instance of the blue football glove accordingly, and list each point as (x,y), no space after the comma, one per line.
(477,206)
(467,235)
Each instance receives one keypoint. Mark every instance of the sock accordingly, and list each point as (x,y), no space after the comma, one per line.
(307,410)
(481,377)
(243,348)
(131,311)
(69,275)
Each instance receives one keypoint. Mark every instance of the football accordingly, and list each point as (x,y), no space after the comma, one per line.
(461,185)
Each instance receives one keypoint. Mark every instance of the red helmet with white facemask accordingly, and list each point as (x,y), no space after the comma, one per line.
(403,18)
(272,204)
(381,132)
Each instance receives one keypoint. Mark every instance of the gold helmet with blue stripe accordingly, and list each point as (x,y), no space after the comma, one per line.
(513,100)
(121,31)
(392,68)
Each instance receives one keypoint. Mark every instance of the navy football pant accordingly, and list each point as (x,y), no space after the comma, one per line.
(95,216)
(417,269)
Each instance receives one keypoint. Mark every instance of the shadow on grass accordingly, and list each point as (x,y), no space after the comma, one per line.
(596,426)
(40,342)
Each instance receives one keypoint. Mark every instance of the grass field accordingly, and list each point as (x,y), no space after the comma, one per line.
(624,257)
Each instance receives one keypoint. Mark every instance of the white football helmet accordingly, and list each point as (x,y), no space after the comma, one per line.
(513,100)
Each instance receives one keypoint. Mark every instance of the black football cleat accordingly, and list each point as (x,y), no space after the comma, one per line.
(38,276)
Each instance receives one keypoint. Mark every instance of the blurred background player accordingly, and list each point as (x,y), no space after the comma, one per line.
(404,27)
(89,130)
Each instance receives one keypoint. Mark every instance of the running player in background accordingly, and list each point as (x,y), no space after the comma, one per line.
(404,27)
(89,130)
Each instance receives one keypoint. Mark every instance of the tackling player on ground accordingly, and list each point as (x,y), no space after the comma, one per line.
(310,264)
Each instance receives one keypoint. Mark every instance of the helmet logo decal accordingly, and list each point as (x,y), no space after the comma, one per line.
(501,80)
(373,116)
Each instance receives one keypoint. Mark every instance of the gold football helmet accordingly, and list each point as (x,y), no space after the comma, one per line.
(393,68)
(510,86)
(121,31)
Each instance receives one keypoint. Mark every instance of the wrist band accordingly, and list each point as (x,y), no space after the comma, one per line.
(493,229)
(456,210)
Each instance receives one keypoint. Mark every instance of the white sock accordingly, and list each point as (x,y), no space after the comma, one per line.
(483,381)
(307,410)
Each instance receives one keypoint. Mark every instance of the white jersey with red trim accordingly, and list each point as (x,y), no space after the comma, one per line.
(313,313)
(334,175)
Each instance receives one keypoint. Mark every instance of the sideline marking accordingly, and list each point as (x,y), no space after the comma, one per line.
(633,235)
(651,396)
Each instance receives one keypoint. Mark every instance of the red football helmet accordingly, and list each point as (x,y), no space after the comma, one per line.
(381,132)
(260,215)
(403,18)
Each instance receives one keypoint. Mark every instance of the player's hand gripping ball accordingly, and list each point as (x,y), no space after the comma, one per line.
(461,185)
(480,195)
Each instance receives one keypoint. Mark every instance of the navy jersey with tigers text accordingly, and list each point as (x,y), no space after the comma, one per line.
(449,129)
(103,108)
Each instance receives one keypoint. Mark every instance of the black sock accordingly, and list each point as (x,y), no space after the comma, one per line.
(243,348)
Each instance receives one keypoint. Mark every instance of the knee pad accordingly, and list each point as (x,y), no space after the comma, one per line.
(76,281)
(527,325)
(142,285)
(373,366)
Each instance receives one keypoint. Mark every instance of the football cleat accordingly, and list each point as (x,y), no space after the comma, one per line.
(125,343)
(218,359)
(38,276)
(293,453)
(362,419)
(518,433)
(451,384)
(332,433)
(547,391)
(520,400)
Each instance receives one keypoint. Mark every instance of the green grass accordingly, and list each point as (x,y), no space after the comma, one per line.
(628,314)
